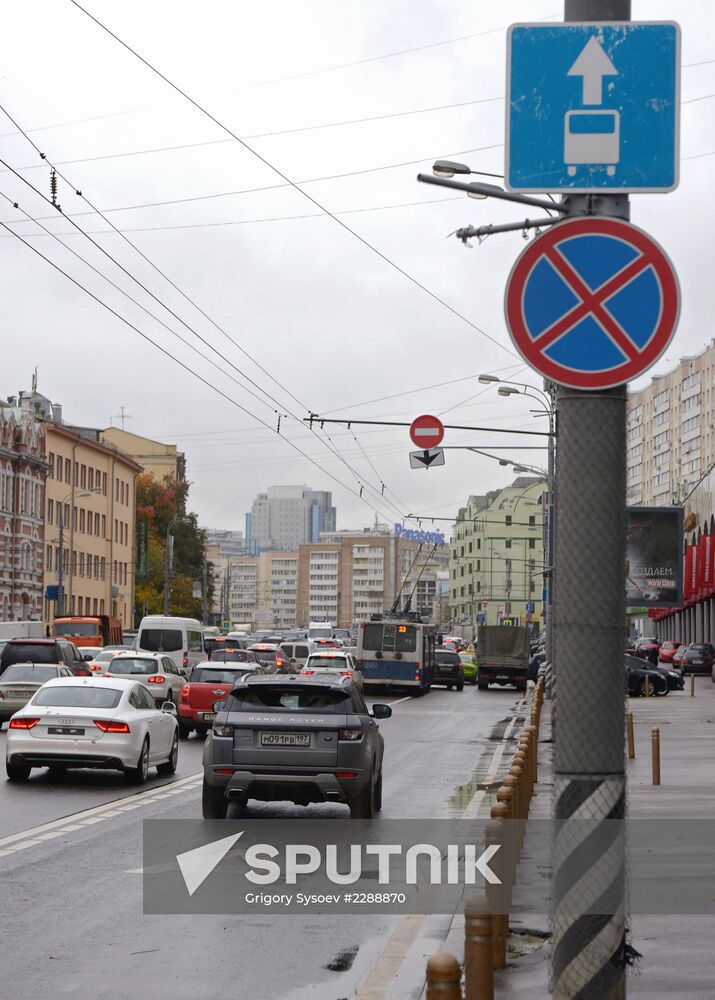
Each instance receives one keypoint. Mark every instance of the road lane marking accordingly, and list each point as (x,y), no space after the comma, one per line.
(88,817)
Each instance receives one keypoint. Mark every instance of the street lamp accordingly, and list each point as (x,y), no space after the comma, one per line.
(61,550)
(168,560)
(448,168)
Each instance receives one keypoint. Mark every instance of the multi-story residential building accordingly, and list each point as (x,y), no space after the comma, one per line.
(22,497)
(89,509)
(285,517)
(670,440)
(497,555)
(262,589)
(351,575)
(229,543)
(157,459)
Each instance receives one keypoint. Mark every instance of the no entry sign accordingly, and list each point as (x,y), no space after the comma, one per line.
(592,303)
(426,431)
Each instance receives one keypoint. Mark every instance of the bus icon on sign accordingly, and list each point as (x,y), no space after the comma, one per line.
(593,138)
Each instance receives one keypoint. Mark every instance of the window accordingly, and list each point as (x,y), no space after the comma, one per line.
(104,483)
(660,439)
(532,520)
(48,559)
(690,424)
(81,518)
(507,543)
(80,605)
(51,462)
(68,471)
(89,522)
(83,476)
(690,381)
(662,397)
(691,402)
(161,640)
(104,525)
(59,468)
(661,418)
(94,605)
(532,543)
(81,567)
(90,478)
(50,511)
(508,520)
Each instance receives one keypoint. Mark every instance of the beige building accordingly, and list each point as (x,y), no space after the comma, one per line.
(352,575)
(90,490)
(496,558)
(159,460)
(262,589)
(670,441)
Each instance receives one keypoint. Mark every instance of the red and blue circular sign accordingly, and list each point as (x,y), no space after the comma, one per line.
(592,303)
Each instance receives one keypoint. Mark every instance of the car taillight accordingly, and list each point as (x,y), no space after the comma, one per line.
(156,679)
(94,666)
(346,673)
(223,731)
(23,723)
(185,661)
(346,774)
(185,693)
(349,734)
(108,726)
(307,673)
(223,770)
(279,663)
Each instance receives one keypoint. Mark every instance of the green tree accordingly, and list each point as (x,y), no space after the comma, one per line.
(159,502)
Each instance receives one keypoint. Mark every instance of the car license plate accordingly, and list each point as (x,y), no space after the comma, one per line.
(65,731)
(502,677)
(285,739)
(19,694)
(208,716)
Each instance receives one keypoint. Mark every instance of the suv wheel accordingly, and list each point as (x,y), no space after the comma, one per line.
(363,805)
(214,805)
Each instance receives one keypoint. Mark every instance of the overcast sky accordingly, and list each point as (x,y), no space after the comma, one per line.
(327,319)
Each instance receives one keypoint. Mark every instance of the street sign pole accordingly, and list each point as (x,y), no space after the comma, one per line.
(588,953)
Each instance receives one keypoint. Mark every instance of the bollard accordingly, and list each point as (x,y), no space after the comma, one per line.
(655,754)
(518,772)
(444,977)
(496,894)
(525,751)
(505,800)
(478,961)
(629,736)
(521,761)
(534,737)
(692,685)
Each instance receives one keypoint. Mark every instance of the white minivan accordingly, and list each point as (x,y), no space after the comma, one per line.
(180,638)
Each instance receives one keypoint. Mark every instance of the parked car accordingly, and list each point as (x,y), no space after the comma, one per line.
(644,646)
(305,739)
(210,683)
(642,679)
(157,672)
(673,678)
(678,656)
(180,638)
(21,680)
(217,642)
(337,661)
(291,657)
(43,651)
(92,722)
(469,665)
(448,669)
(668,650)
(698,658)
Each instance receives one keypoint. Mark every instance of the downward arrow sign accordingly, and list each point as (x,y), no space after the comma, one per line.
(593,64)
(427,459)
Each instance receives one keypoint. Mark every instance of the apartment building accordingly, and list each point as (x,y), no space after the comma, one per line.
(496,559)
(670,442)
(155,458)
(285,517)
(22,490)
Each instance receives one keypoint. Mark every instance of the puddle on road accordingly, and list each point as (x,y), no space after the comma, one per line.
(463,794)
(343,960)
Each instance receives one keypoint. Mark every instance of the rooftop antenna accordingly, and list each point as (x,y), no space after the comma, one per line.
(34,381)
(120,416)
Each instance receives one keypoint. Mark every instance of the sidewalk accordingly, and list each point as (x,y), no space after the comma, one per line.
(676,951)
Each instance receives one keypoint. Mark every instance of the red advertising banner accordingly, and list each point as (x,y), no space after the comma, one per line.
(689,573)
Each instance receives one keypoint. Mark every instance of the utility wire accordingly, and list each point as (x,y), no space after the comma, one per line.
(186,368)
(292,183)
(331,447)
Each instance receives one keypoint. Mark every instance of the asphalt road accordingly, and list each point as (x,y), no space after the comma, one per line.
(72,906)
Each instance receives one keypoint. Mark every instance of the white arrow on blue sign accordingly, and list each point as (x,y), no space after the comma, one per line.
(593,107)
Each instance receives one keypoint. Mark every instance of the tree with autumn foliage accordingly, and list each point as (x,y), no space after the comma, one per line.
(158,503)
